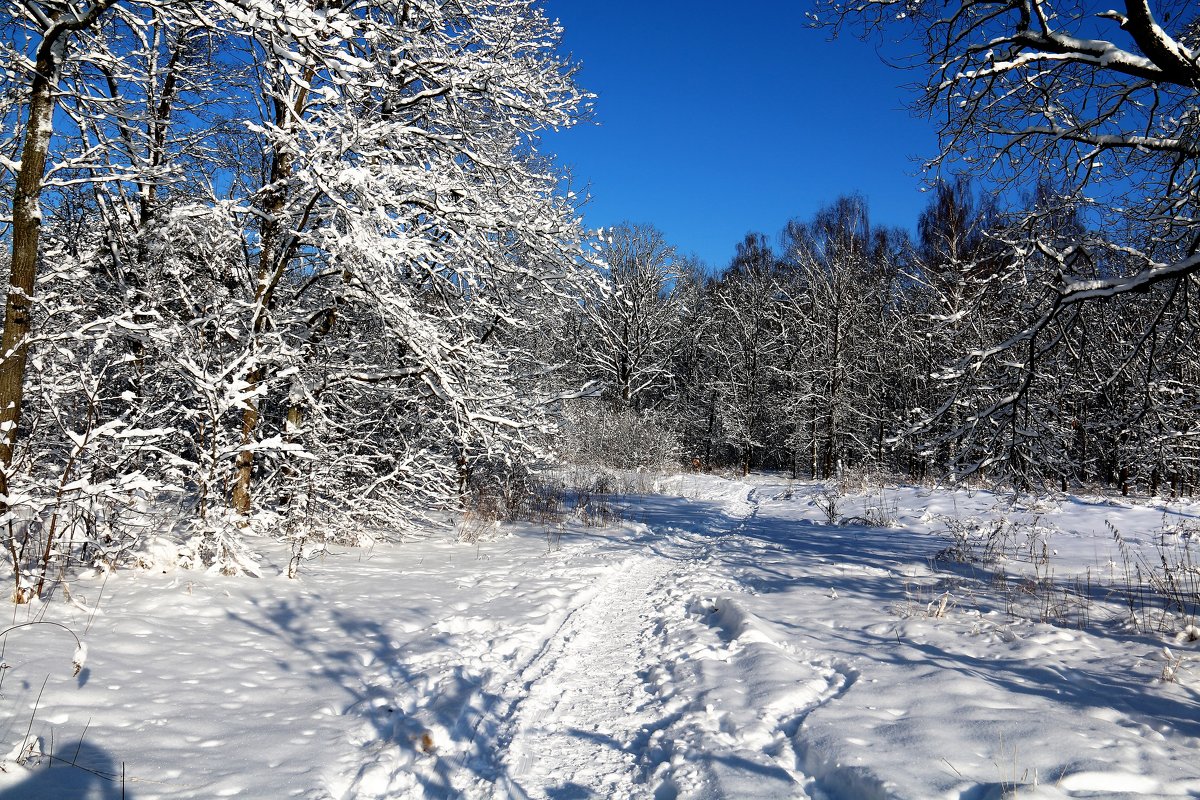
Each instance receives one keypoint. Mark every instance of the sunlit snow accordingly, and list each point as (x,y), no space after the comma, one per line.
(723,641)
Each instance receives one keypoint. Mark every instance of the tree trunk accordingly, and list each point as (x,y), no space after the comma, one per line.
(272,262)
(712,424)
(244,465)
(26,237)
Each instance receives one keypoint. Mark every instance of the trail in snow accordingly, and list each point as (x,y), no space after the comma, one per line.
(587,705)
(650,688)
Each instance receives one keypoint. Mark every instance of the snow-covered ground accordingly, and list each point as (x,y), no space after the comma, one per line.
(723,642)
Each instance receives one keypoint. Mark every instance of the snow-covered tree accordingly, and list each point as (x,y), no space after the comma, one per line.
(67,453)
(744,338)
(433,217)
(1104,102)
(292,254)
(630,320)
(842,275)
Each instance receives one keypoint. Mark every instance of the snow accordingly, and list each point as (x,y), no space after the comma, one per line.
(723,641)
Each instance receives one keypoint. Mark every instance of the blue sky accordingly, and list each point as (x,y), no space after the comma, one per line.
(714,119)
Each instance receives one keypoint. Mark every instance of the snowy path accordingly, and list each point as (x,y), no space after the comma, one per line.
(564,730)
(651,688)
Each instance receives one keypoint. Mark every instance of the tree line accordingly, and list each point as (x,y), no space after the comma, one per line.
(846,345)
(1044,336)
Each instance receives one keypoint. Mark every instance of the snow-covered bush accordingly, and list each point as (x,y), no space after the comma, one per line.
(592,433)
(216,543)
(494,491)
(976,540)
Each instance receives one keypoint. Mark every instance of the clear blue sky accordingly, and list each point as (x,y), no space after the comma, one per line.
(714,119)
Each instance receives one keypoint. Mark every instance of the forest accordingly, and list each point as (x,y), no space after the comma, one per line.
(304,268)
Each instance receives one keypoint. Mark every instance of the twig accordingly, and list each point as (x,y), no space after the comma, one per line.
(96,607)
(36,703)
(12,628)
(79,746)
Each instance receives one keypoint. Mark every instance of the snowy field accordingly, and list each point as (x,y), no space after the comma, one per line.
(723,641)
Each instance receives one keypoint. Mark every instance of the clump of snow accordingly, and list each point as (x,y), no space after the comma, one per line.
(78,659)
(157,554)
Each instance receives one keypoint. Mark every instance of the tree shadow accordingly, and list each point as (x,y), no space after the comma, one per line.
(1103,684)
(786,553)
(451,701)
(90,773)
